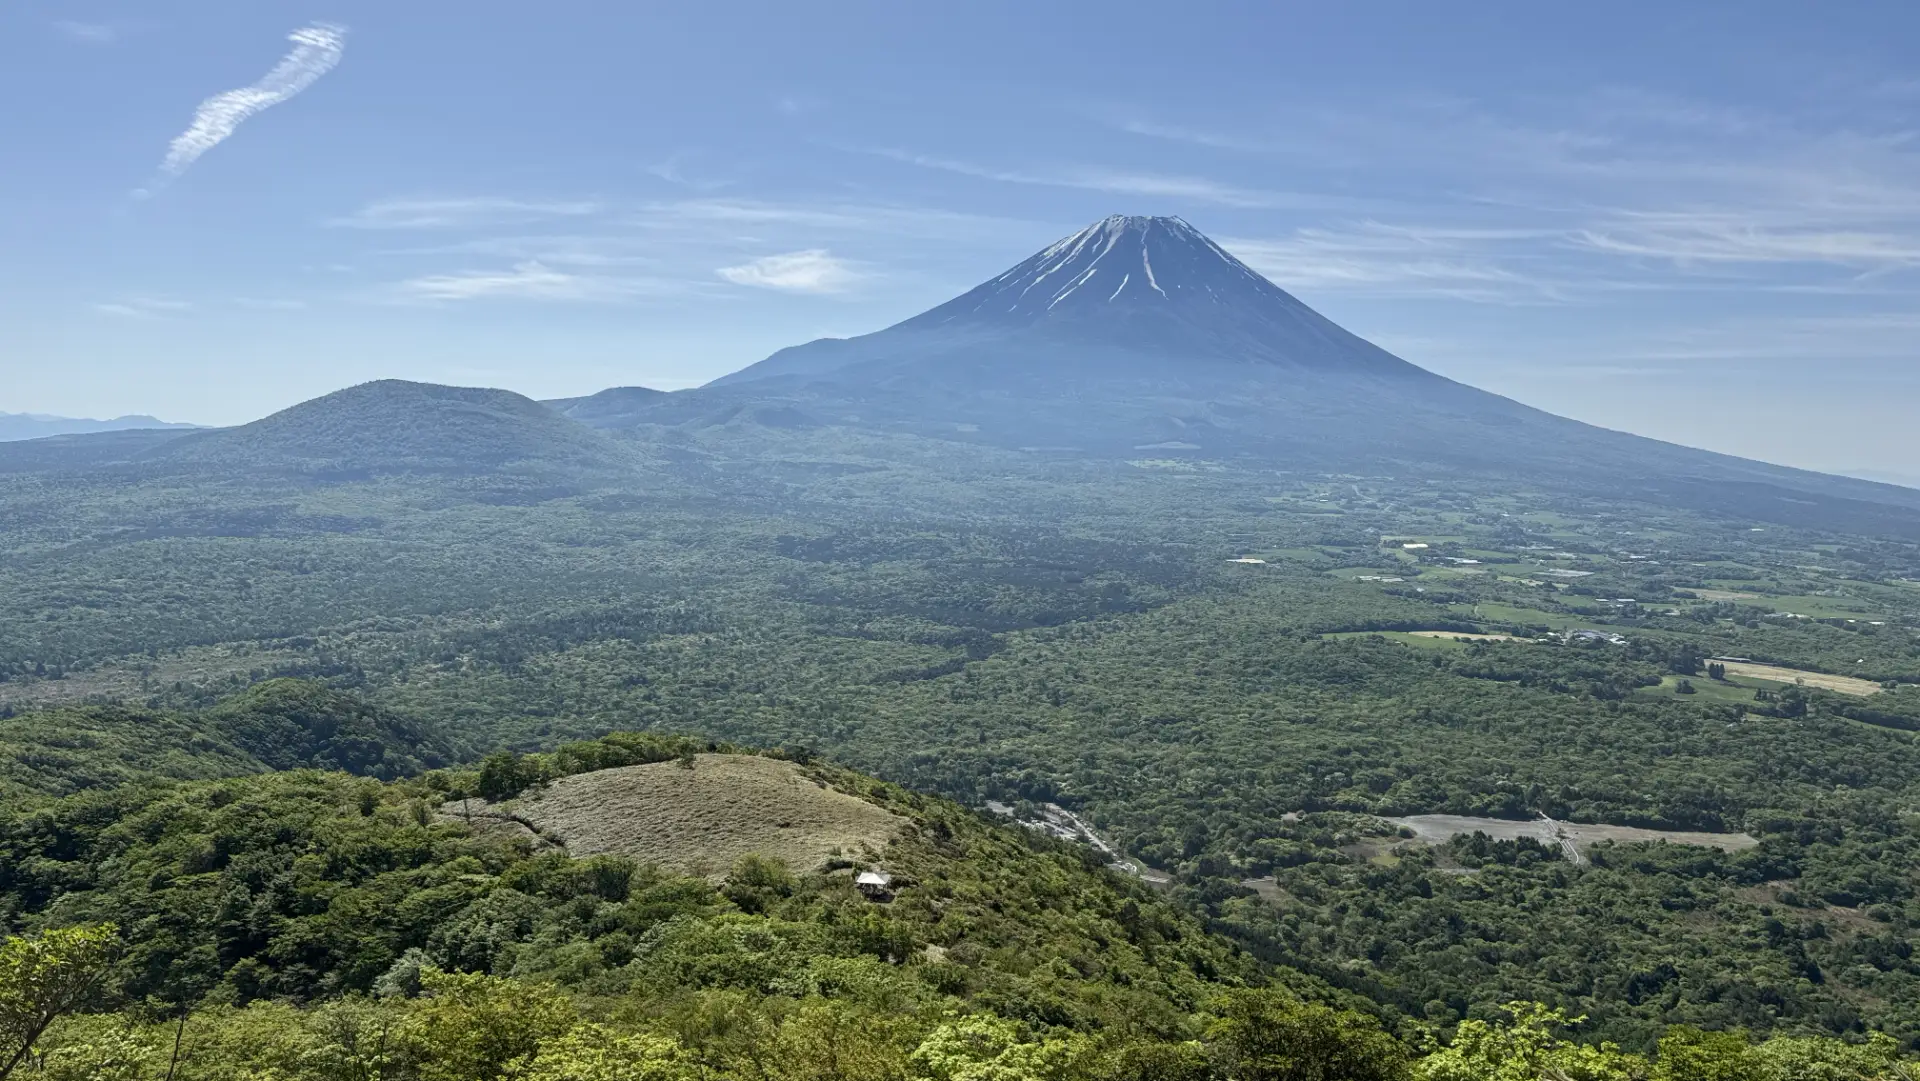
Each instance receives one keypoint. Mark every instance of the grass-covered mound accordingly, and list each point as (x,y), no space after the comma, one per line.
(701,815)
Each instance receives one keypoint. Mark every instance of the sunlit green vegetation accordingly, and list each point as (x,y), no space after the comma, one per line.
(988,625)
(313,926)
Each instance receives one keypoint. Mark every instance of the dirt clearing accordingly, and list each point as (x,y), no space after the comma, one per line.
(700,821)
(1437,829)
(1468,637)
(1822,680)
(1722,595)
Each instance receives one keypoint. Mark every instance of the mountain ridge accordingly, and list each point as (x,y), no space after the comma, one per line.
(19,426)
(1133,333)
(394,425)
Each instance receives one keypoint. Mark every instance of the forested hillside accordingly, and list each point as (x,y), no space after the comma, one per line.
(318,925)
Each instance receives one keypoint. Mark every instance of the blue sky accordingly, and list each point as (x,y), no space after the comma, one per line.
(1697,221)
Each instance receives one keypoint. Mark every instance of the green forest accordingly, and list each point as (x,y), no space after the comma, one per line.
(243,707)
(317,924)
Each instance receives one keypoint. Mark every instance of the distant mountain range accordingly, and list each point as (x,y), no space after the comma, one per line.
(1134,337)
(40,425)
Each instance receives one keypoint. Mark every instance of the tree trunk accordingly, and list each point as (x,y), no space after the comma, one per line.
(26,1045)
(173,1063)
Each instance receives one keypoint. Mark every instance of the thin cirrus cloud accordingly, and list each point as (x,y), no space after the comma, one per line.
(142,307)
(529,280)
(1198,137)
(1711,238)
(812,271)
(1621,192)
(91,33)
(462,212)
(316,50)
(1125,182)
(1475,264)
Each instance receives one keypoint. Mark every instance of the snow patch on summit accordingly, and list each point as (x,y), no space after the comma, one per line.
(1146,263)
(1178,264)
(1126,290)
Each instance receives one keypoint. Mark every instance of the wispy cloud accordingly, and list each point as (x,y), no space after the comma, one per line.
(584,249)
(633,220)
(1617,191)
(1196,136)
(1720,237)
(1191,188)
(674,171)
(529,281)
(1487,265)
(269,304)
(142,307)
(474,248)
(894,221)
(811,271)
(91,33)
(462,213)
(1124,182)
(1801,340)
(316,49)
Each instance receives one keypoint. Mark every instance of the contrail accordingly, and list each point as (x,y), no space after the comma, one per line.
(316,49)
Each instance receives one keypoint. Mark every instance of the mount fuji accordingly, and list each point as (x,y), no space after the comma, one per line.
(1127,295)
(1140,333)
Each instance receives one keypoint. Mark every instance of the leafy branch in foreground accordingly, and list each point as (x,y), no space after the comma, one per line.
(44,978)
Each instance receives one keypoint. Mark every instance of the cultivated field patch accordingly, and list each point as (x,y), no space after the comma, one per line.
(1823,680)
(1722,594)
(1819,606)
(1704,690)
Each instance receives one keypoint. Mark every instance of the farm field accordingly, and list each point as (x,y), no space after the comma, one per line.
(1704,690)
(1496,612)
(1722,594)
(1823,607)
(1789,676)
